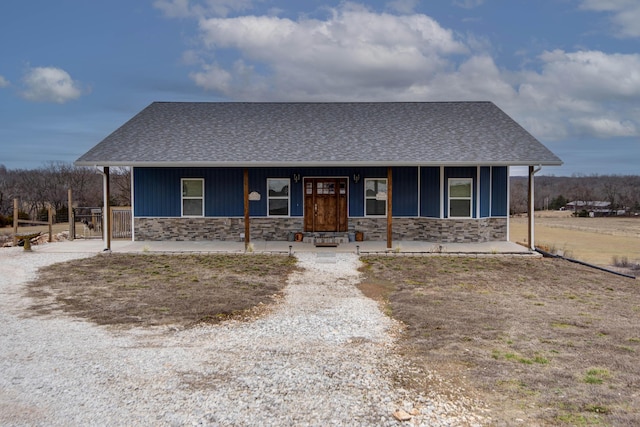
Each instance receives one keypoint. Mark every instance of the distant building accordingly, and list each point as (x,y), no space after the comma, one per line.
(593,208)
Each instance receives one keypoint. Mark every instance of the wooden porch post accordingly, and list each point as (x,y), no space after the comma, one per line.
(247,227)
(106,221)
(389,210)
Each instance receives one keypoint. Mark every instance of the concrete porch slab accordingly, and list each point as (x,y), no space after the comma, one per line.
(364,248)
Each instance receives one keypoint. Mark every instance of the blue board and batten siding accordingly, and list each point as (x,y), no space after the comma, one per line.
(416,191)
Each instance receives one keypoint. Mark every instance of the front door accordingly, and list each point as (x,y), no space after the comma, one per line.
(325,204)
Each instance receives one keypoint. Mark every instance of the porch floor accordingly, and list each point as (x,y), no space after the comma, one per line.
(366,247)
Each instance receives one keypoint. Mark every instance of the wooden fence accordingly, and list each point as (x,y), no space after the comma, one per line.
(121,222)
(17,221)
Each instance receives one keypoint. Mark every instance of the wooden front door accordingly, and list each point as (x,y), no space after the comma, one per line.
(325,204)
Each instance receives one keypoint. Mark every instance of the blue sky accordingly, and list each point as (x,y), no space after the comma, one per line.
(72,71)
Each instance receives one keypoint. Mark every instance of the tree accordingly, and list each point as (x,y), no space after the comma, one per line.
(558,202)
(519,196)
(121,186)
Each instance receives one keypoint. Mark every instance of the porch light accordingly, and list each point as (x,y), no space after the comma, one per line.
(356,177)
(296,178)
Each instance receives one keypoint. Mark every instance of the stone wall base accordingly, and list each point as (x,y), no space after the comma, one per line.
(283,229)
(434,229)
(225,229)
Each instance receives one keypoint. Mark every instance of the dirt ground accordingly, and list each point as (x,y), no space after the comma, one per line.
(150,290)
(543,341)
(594,240)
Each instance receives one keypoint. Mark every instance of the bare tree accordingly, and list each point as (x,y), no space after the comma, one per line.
(121,179)
(620,191)
(519,196)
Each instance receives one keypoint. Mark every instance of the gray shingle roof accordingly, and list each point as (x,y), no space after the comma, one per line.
(318,134)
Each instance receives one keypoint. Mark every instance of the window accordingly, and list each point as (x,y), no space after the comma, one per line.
(375,197)
(460,197)
(193,197)
(278,196)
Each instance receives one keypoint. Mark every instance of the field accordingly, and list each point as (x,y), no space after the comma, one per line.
(593,240)
(543,341)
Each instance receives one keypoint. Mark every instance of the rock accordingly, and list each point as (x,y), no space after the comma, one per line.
(401,415)
(414,412)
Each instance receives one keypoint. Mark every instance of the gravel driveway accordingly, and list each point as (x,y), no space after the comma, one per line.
(324,356)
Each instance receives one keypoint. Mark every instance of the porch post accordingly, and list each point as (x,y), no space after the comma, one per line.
(389,210)
(247,227)
(70,216)
(16,213)
(531,212)
(106,214)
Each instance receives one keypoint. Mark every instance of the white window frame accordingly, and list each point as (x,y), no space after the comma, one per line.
(287,198)
(453,181)
(183,197)
(374,197)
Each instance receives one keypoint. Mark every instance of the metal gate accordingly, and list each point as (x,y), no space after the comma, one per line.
(88,222)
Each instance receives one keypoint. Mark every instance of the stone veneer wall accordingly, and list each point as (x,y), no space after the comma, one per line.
(434,229)
(230,229)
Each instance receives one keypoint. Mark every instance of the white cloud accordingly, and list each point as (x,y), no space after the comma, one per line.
(625,14)
(174,8)
(214,78)
(592,75)
(355,54)
(202,8)
(49,84)
(604,127)
(352,51)
(3,82)
(581,93)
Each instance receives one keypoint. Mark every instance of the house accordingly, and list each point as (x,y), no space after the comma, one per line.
(432,171)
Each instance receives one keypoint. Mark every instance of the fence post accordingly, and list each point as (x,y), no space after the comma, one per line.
(15,221)
(50,221)
(71,216)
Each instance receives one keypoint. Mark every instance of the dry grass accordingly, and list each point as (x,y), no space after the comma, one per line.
(148,290)
(593,240)
(544,341)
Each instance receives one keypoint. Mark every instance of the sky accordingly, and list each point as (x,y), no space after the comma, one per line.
(73,71)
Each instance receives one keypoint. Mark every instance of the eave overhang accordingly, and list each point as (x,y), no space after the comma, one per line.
(309,164)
